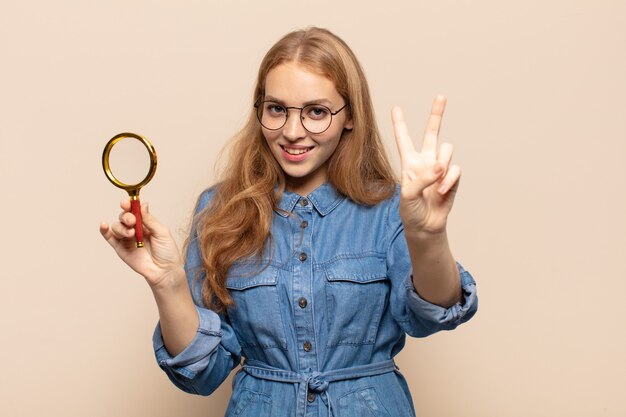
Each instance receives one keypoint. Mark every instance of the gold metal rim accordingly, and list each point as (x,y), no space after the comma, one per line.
(132,189)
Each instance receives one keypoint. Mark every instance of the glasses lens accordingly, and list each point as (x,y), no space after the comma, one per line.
(271,115)
(316,118)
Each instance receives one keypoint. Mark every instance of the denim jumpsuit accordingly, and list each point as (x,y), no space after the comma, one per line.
(319,325)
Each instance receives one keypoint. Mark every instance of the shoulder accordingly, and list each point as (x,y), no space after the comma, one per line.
(390,202)
(391,194)
(390,207)
(205,198)
(382,209)
(377,196)
(384,212)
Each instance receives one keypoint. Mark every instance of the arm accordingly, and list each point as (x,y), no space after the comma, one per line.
(435,274)
(196,347)
(177,313)
(428,186)
(416,314)
(160,263)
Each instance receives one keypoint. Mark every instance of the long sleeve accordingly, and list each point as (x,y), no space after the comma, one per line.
(416,316)
(210,357)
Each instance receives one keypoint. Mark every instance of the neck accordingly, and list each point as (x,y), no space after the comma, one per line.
(302,187)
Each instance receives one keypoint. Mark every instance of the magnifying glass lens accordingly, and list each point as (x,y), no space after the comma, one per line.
(129,161)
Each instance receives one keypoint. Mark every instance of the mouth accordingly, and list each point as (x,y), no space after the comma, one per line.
(296,151)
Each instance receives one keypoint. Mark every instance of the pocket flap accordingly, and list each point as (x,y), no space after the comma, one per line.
(243,277)
(360,270)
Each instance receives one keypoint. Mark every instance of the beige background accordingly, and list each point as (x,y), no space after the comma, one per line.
(536,112)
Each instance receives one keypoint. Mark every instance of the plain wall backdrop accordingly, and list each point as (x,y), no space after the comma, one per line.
(536,112)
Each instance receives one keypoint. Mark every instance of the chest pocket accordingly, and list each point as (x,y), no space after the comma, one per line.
(256,317)
(357,292)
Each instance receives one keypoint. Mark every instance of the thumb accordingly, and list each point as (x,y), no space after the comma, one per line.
(151,224)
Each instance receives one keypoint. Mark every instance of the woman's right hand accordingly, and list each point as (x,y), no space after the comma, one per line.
(159,261)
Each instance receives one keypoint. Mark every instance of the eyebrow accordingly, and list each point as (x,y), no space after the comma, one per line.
(324,101)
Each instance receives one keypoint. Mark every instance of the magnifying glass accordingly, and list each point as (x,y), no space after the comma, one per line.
(126,142)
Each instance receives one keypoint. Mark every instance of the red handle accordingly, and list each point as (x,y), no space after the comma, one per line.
(135,208)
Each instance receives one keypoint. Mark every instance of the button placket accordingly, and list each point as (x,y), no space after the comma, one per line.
(303,286)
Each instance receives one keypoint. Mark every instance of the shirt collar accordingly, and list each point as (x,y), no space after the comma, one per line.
(324,198)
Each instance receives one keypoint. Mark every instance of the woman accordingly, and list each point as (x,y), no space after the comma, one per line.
(306,259)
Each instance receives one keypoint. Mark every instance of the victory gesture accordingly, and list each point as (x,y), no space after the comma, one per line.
(428,182)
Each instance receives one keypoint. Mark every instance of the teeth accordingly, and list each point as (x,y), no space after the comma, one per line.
(296,151)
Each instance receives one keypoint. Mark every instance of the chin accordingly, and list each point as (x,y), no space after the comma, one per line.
(298,175)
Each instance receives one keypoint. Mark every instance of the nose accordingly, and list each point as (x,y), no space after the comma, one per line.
(293,128)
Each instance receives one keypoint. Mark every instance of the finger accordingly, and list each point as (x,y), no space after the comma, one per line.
(444,156)
(112,236)
(151,224)
(413,185)
(105,231)
(127,219)
(451,180)
(434,125)
(401,132)
(120,231)
(125,205)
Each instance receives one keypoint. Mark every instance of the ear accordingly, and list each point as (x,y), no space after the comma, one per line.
(348,124)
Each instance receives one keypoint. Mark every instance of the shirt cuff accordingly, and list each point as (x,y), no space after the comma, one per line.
(452,316)
(195,357)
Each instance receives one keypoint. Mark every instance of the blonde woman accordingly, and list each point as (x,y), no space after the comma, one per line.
(307,259)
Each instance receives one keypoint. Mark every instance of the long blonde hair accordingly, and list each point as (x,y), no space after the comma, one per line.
(236,223)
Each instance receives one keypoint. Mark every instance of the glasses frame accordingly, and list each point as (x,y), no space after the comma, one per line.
(259,103)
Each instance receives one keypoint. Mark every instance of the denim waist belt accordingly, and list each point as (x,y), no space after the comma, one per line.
(315,381)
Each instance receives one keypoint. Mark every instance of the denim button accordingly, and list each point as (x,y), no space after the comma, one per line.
(307,346)
(310,397)
(304,224)
(304,202)
(302,302)
(302,257)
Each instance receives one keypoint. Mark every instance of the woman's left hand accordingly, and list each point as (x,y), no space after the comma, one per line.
(428,182)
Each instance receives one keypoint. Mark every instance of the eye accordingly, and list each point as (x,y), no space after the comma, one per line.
(316,111)
(273,109)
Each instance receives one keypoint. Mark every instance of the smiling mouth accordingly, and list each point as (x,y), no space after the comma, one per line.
(296,151)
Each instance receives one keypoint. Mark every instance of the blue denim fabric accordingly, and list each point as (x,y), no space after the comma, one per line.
(319,326)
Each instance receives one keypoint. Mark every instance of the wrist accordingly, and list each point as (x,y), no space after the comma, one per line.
(423,237)
(171,282)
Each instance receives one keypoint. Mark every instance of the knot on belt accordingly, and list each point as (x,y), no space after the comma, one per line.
(316,383)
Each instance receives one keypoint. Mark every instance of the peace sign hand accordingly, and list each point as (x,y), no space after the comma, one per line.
(428,182)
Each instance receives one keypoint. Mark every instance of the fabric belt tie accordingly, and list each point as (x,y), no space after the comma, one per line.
(316,382)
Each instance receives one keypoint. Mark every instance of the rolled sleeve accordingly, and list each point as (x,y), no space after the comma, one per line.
(441,318)
(195,357)
(207,361)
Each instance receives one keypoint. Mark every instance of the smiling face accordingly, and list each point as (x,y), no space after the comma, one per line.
(302,155)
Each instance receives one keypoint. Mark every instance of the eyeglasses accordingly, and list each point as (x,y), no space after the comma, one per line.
(315,118)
